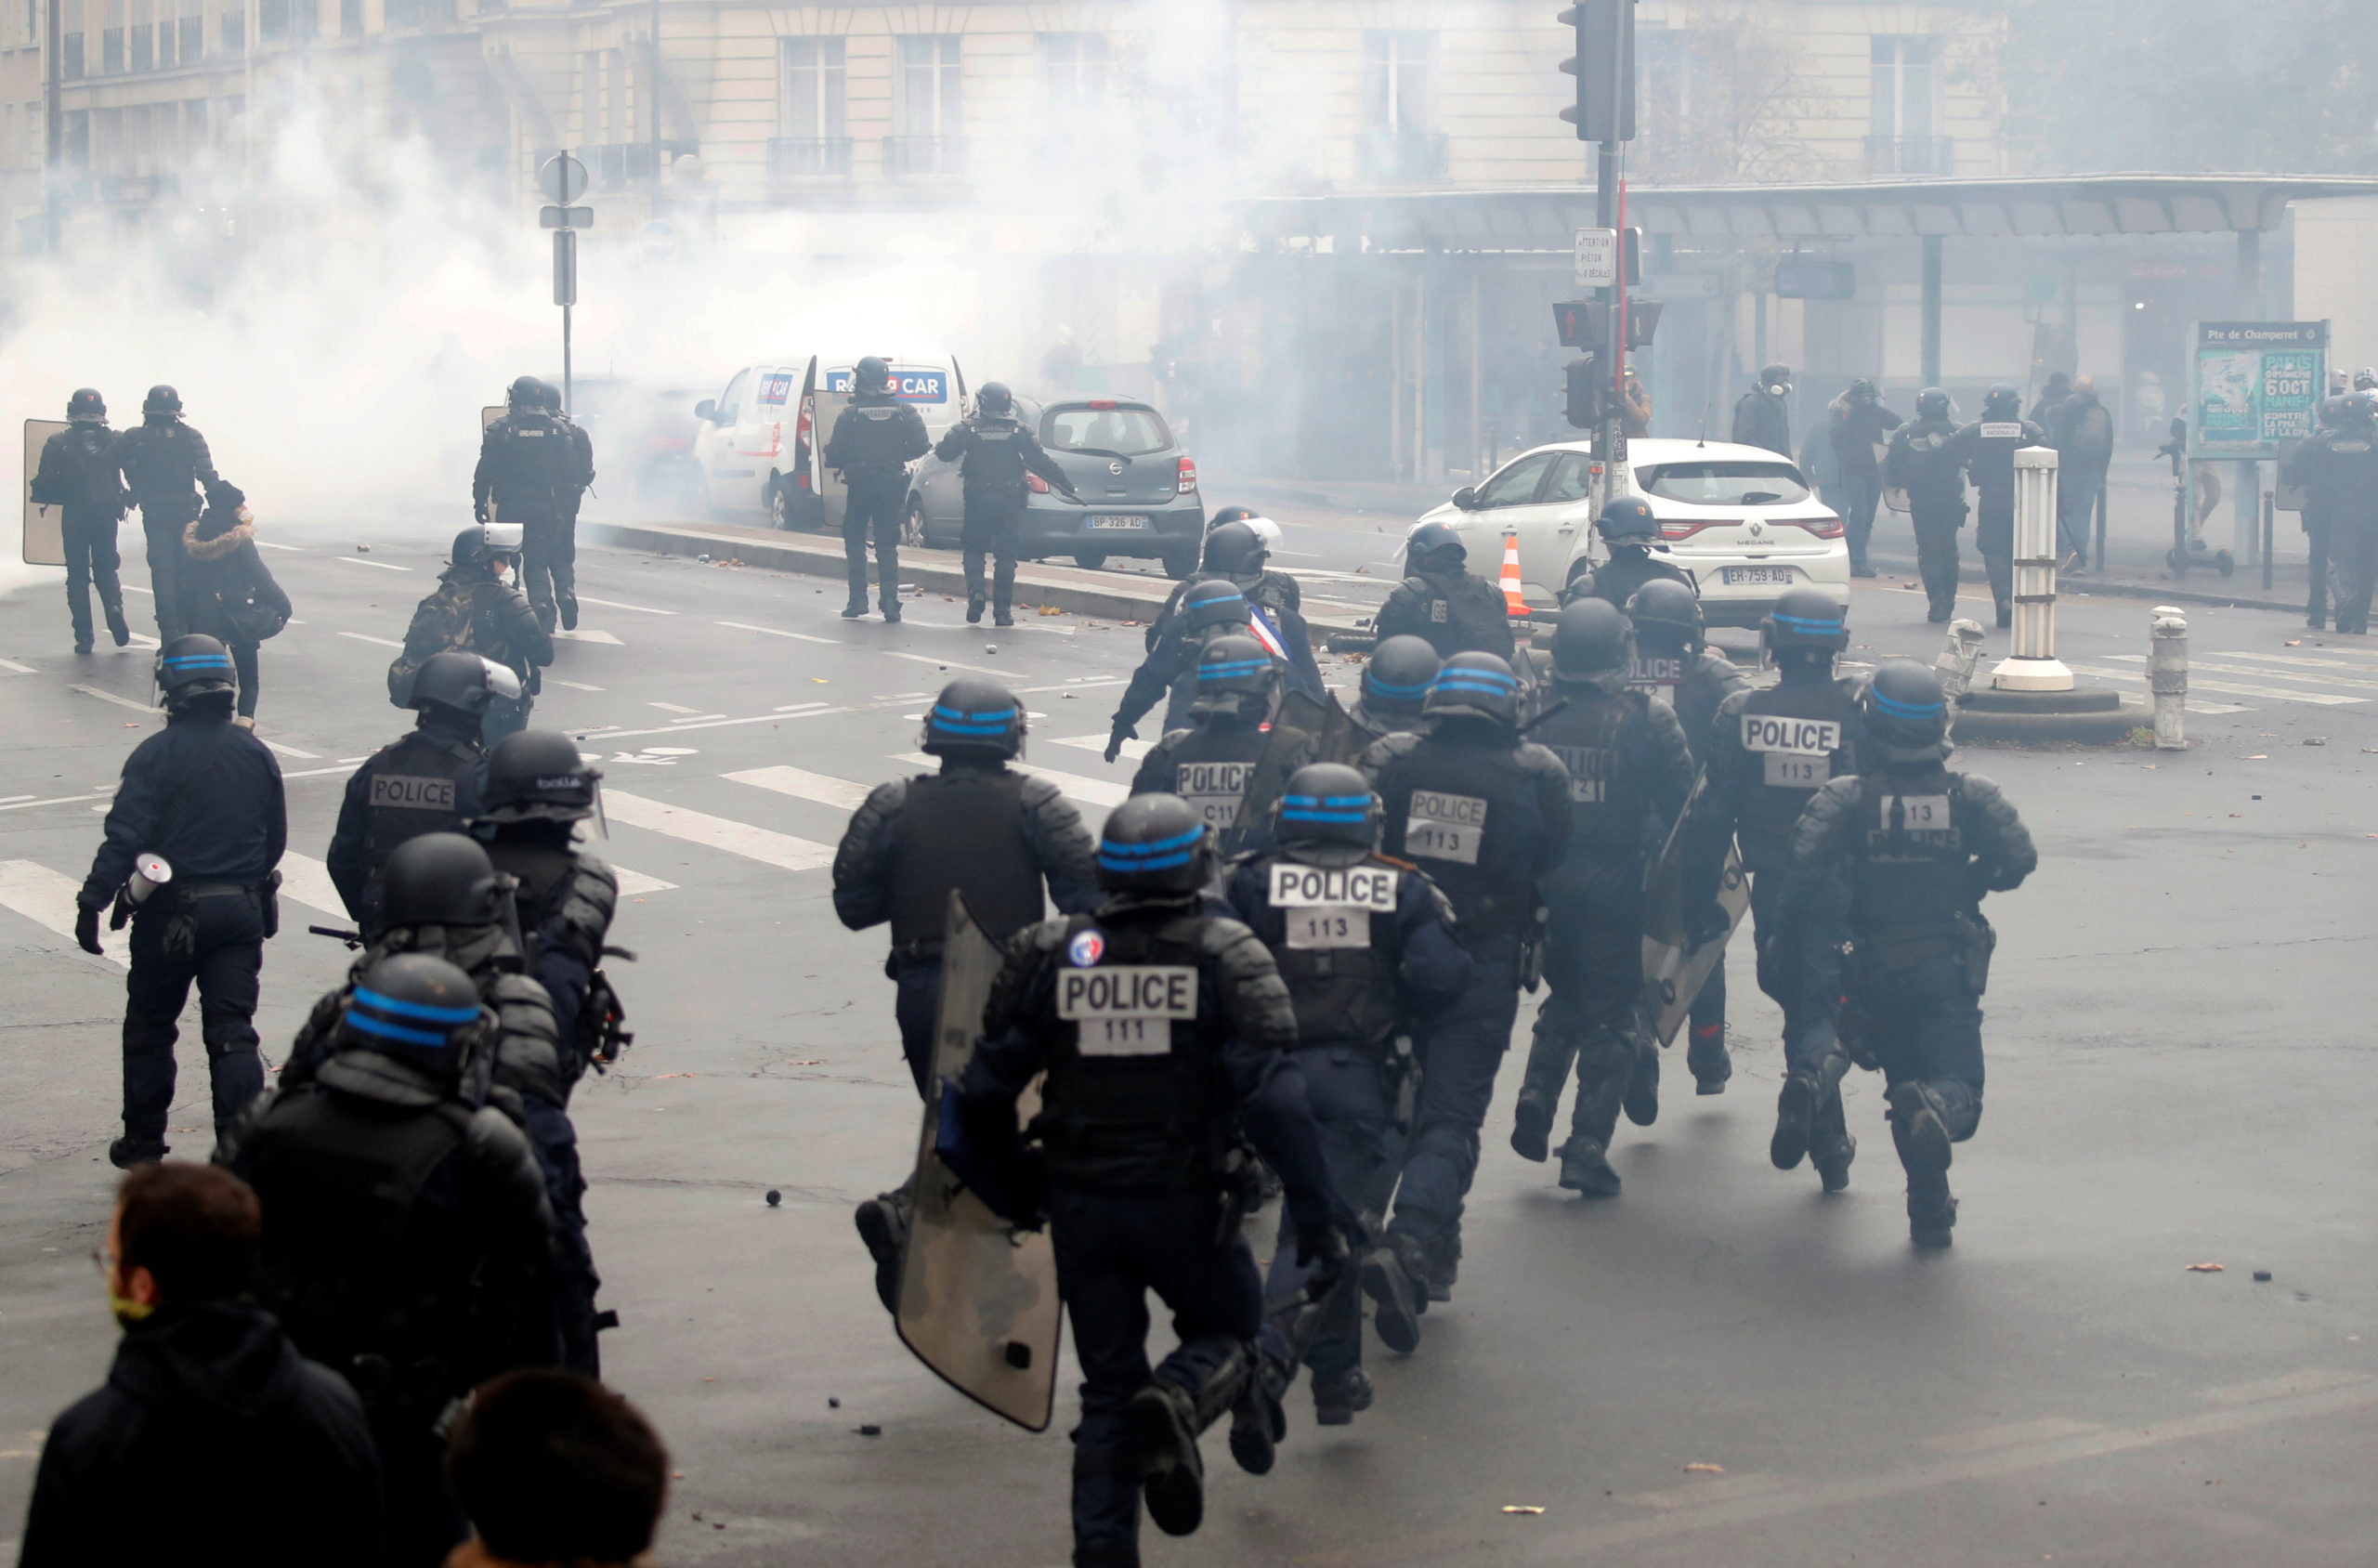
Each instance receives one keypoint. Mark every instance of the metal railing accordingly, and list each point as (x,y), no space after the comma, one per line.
(925,157)
(1402,155)
(1910,155)
(809,157)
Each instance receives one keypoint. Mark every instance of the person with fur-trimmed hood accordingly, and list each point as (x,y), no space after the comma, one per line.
(226,593)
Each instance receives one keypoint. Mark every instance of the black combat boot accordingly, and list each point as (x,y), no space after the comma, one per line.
(1641,1101)
(1392,1279)
(118,627)
(1707,1057)
(1796,1110)
(1532,1127)
(883,1224)
(128,1152)
(974,612)
(1336,1400)
(568,605)
(1585,1169)
(1916,1111)
(1931,1214)
(1172,1476)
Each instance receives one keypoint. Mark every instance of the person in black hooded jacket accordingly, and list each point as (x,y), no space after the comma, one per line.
(207,1400)
(226,591)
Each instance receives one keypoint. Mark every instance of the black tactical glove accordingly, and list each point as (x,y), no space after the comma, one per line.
(86,930)
(1114,741)
(479,511)
(1323,1249)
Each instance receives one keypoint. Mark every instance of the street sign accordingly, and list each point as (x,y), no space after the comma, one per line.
(1799,279)
(660,238)
(565,217)
(566,268)
(1597,258)
(563,179)
(2257,385)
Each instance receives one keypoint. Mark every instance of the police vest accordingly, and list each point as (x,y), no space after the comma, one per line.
(994,462)
(1135,1095)
(1465,815)
(1799,739)
(962,829)
(1908,877)
(539,872)
(1928,464)
(1332,932)
(871,437)
(1456,614)
(1600,738)
(87,453)
(416,788)
(160,467)
(1212,768)
(1994,444)
(530,465)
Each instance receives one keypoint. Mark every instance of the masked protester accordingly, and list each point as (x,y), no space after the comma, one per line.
(1858,422)
(1763,414)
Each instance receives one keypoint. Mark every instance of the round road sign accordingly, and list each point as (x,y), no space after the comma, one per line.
(563,179)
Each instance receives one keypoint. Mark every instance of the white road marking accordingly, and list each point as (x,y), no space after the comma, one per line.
(135,588)
(377,565)
(584,636)
(2194,705)
(309,881)
(268,544)
(46,898)
(574,686)
(673,708)
(120,701)
(779,632)
(2233,688)
(1134,750)
(20,803)
(375,642)
(635,883)
(698,718)
(142,639)
(2346,681)
(12,664)
(1097,792)
(806,706)
(717,832)
(962,626)
(952,664)
(12,800)
(292,750)
(840,794)
(614,604)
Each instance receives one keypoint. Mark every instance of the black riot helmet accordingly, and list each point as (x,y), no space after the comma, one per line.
(441,879)
(1475,685)
(1235,550)
(974,716)
(549,397)
(1905,712)
(2360,408)
(193,668)
(538,776)
(526,394)
(462,682)
(86,406)
(1627,519)
(1435,545)
(1806,620)
(1214,602)
(1154,843)
(415,1007)
(871,374)
(994,399)
(162,401)
(1863,391)
(1236,675)
(2002,401)
(1592,642)
(1932,404)
(2330,409)
(1666,612)
(1329,804)
(1398,676)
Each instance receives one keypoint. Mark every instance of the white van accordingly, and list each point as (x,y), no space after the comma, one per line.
(758,442)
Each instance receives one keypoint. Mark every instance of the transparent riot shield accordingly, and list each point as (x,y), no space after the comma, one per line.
(1674,967)
(45,542)
(488,416)
(978,1297)
(1330,726)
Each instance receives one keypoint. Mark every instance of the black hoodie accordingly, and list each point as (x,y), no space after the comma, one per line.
(212,1440)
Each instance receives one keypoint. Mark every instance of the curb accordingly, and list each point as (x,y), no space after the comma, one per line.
(2071,587)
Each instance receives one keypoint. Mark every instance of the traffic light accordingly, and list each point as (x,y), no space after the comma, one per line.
(1604,67)
(1578,322)
(1589,390)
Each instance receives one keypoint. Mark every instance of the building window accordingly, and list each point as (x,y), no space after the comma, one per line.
(167,39)
(350,18)
(70,59)
(231,30)
(1902,85)
(272,20)
(1077,70)
(144,35)
(809,88)
(193,28)
(1395,81)
(33,21)
(926,88)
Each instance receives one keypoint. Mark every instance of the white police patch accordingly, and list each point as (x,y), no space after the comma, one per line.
(1086,949)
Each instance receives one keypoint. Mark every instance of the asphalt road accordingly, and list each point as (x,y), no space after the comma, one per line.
(2177,1076)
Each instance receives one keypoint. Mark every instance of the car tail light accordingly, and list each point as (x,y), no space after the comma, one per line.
(1682,528)
(802,478)
(801,431)
(1036,484)
(1102,402)
(1826,527)
(1188,476)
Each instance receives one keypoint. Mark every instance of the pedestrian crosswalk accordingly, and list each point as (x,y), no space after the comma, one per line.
(2328,677)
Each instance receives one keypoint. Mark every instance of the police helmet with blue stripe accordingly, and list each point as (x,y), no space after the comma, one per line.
(1477,685)
(415,1007)
(193,667)
(1155,843)
(1235,674)
(1398,676)
(1212,601)
(441,878)
(1806,620)
(1327,804)
(974,716)
(1905,712)
(1593,640)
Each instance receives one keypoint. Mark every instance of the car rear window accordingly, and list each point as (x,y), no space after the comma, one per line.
(1727,484)
(1123,430)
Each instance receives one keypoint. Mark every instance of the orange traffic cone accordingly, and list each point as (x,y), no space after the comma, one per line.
(1514,601)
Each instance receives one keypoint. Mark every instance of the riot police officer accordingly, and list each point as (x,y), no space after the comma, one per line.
(1631,534)
(874,440)
(531,472)
(1769,752)
(81,475)
(1212,607)
(1441,603)
(1675,664)
(428,782)
(2339,470)
(1235,554)
(1163,1031)
(1396,682)
(407,1237)
(1627,761)
(1922,461)
(168,468)
(474,608)
(979,828)
(1486,814)
(1987,449)
(1890,867)
(539,789)
(1366,947)
(1229,766)
(994,452)
(204,796)
(2295,472)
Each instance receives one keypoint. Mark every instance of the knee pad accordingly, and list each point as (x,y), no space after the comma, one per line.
(1960,1107)
(1456,1145)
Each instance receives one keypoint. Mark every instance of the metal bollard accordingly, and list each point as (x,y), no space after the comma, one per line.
(2034,666)
(1955,662)
(2167,675)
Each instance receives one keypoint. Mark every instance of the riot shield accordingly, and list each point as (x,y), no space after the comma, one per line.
(488,416)
(1330,726)
(978,1297)
(833,496)
(45,525)
(1674,967)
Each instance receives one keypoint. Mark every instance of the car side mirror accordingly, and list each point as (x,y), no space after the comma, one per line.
(707,410)
(1466,499)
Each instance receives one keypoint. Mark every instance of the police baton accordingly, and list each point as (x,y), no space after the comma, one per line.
(352,938)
